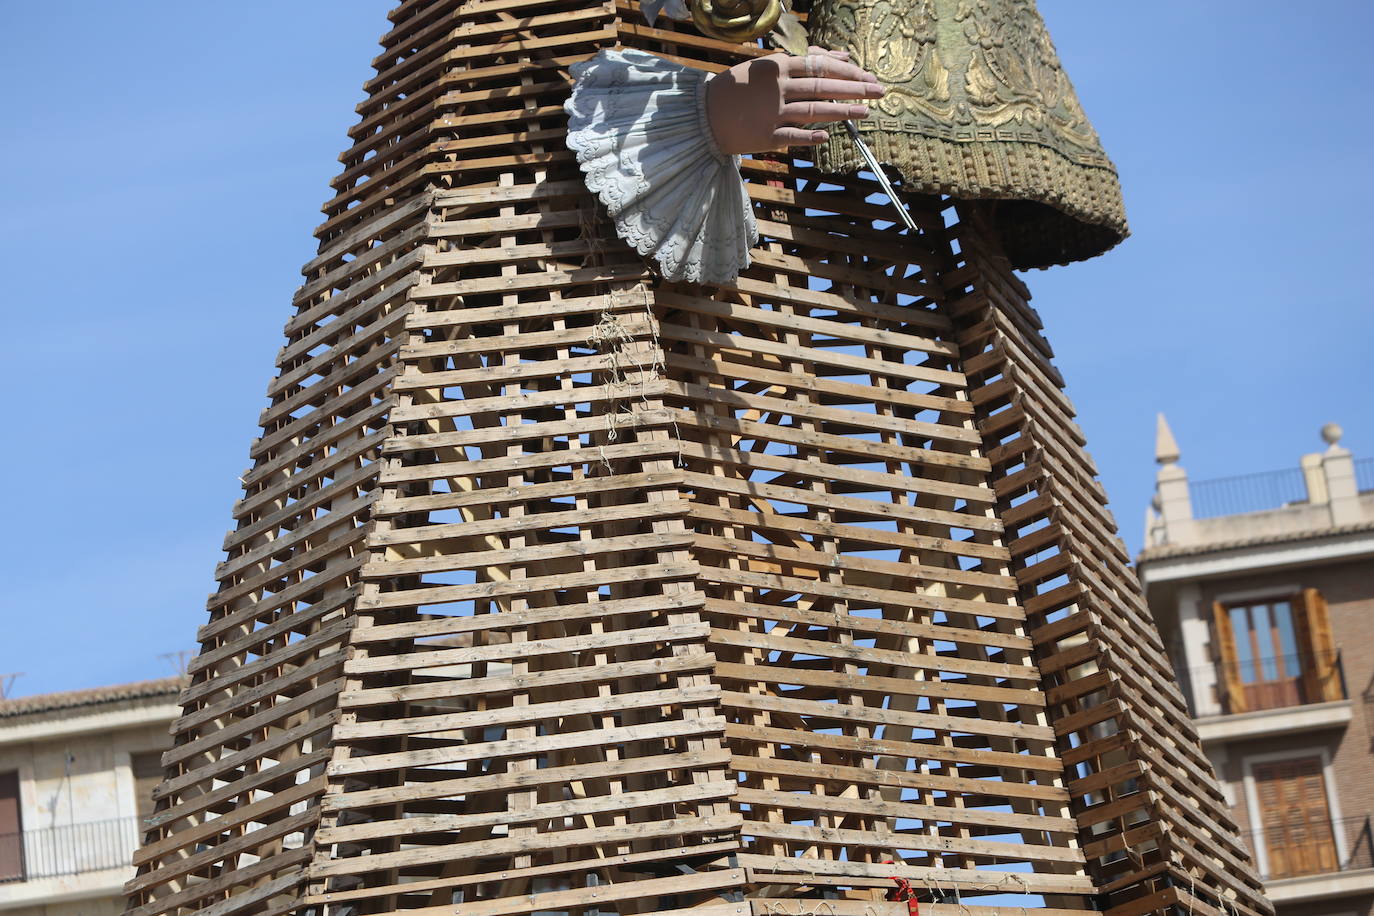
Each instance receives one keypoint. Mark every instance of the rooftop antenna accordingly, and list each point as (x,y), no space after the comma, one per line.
(7,683)
(179,661)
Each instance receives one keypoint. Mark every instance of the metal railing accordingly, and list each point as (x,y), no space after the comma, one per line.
(1313,847)
(68,850)
(1364,475)
(1273,682)
(1247,493)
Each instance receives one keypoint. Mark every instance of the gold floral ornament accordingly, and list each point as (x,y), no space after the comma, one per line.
(736,20)
(978,106)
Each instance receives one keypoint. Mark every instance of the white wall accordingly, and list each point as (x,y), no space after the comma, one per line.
(77,802)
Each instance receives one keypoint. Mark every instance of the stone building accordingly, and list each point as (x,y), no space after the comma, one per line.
(1263,587)
(77,771)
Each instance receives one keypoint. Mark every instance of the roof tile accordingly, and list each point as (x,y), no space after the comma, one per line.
(95,696)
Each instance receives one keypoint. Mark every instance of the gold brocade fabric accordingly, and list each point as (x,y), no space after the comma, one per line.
(977,106)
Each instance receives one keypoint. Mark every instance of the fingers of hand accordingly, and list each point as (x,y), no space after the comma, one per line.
(804,88)
(799,114)
(816,49)
(797,136)
(827,64)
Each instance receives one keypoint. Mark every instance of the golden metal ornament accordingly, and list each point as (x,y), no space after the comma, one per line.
(736,20)
(789,35)
(978,107)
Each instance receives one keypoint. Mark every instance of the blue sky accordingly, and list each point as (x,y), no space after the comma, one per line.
(164,163)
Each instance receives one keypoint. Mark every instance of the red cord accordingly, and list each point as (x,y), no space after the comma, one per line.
(904,891)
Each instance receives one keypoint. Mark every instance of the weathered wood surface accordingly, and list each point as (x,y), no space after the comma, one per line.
(554,587)
(1155,826)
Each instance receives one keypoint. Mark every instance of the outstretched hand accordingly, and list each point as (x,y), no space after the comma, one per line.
(769,102)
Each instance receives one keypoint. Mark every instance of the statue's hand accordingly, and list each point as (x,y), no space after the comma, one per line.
(767,103)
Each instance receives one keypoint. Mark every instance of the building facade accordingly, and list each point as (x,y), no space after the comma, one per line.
(1263,588)
(77,771)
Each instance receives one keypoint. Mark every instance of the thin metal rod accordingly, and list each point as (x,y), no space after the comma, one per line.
(877,168)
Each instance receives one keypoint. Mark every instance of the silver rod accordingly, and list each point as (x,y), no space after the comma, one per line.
(877,168)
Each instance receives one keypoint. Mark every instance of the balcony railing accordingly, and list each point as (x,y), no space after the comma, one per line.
(1364,475)
(1247,493)
(1313,848)
(1262,491)
(1275,682)
(68,850)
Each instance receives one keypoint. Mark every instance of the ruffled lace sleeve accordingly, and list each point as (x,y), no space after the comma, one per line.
(637,124)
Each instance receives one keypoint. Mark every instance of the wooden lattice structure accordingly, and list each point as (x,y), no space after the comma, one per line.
(555,588)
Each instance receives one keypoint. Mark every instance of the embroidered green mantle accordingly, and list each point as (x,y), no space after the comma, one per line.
(977,106)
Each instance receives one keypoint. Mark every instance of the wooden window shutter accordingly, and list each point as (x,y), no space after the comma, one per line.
(147,770)
(1294,817)
(11,829)
(1232,690)
(1312,628)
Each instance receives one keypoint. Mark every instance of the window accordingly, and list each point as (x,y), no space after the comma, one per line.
(11,830)
(1276,652)
(1294,820)
(1266,654)
(147,770)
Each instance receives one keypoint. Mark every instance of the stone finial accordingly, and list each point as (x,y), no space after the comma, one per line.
(1172,502)
(1338,467)
(1166,448)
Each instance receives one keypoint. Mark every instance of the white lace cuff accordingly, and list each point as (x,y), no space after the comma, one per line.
(638,126)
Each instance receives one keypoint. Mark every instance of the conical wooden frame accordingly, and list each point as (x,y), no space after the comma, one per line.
(559,589)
